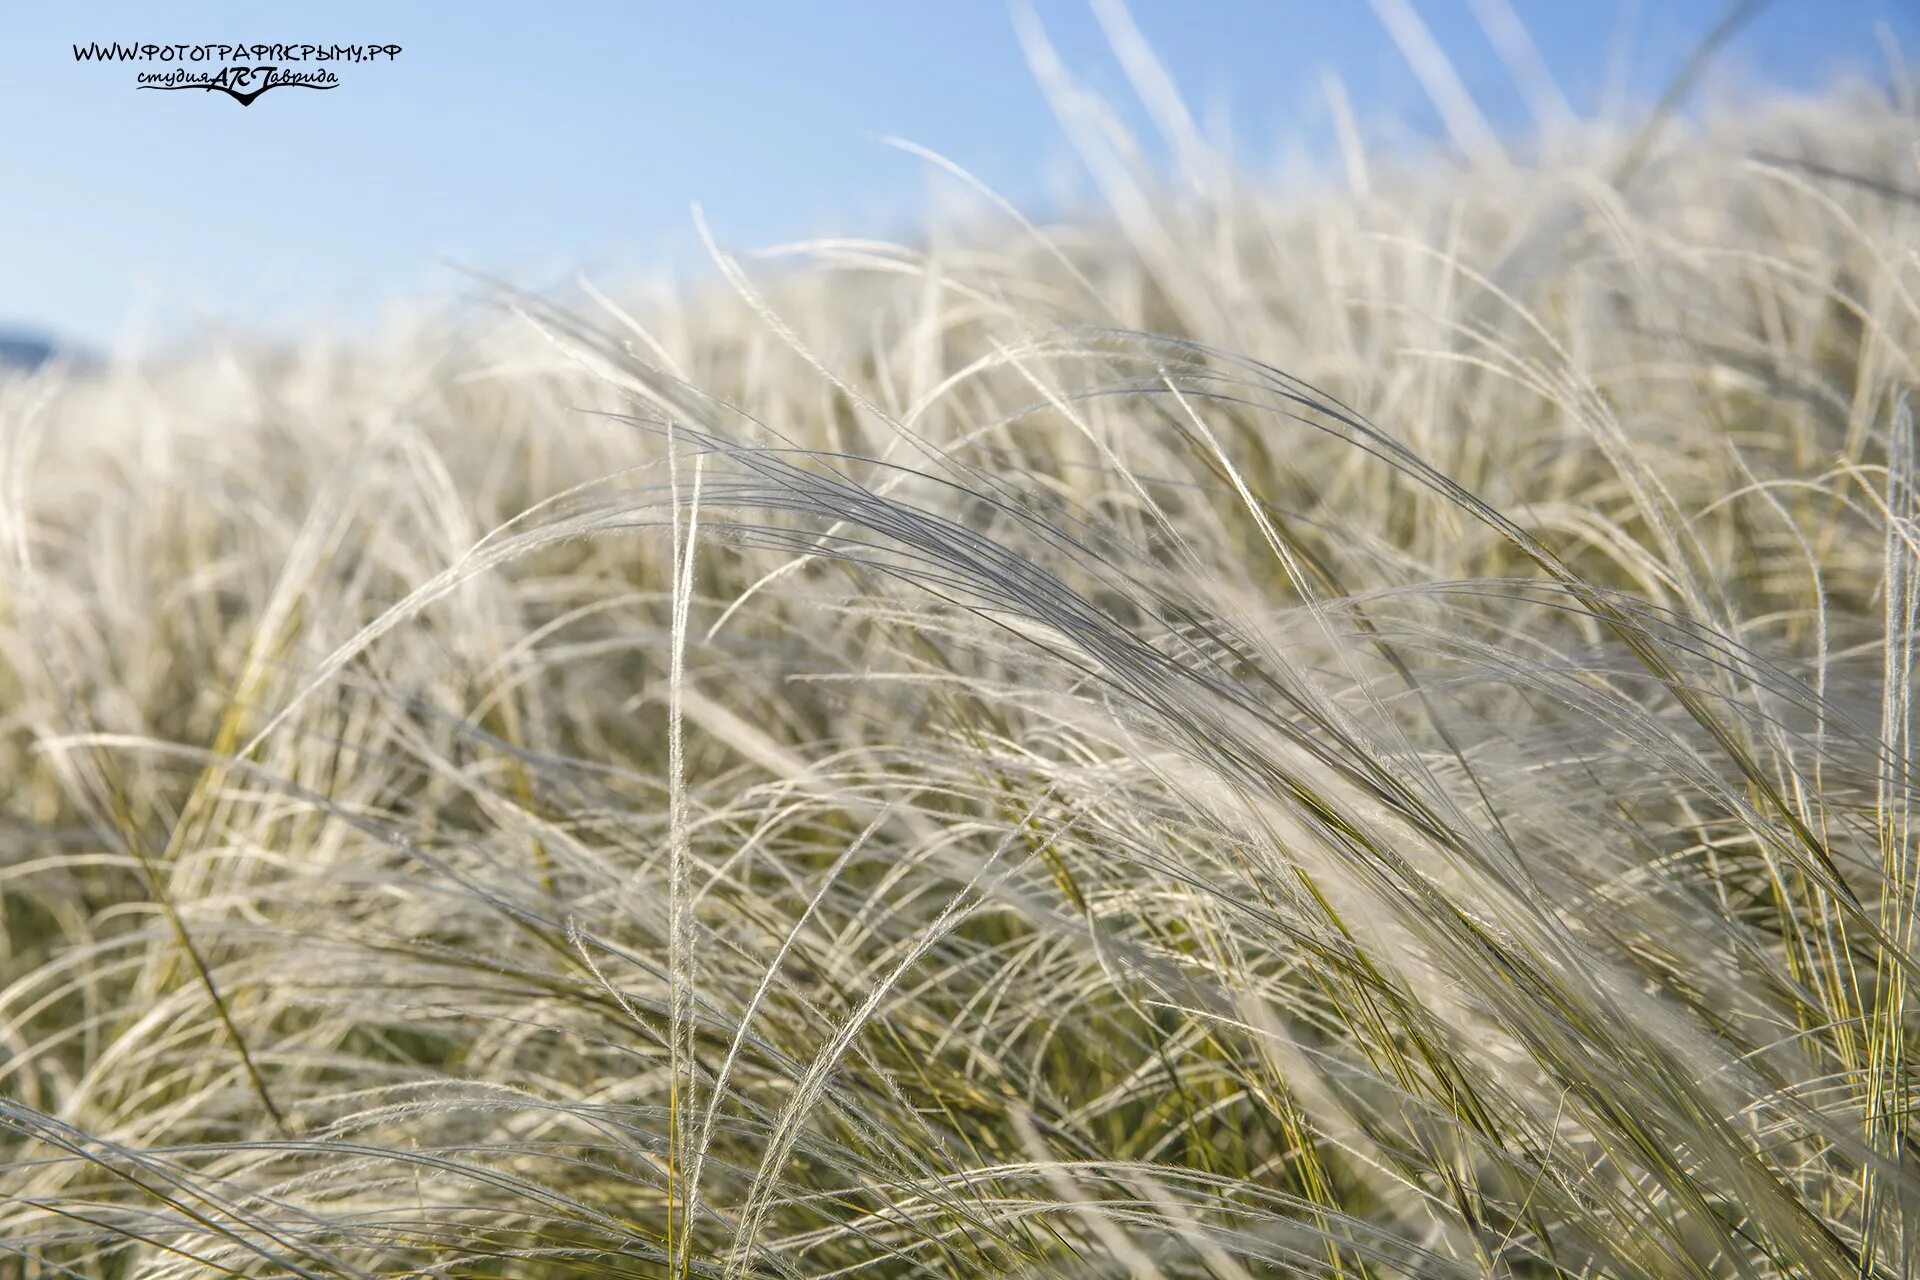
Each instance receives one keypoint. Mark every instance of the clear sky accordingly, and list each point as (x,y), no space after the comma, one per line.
(531,137)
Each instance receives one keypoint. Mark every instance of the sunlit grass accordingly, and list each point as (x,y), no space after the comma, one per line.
(1248,736)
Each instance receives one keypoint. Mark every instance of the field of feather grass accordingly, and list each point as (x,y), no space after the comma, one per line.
(1243,736)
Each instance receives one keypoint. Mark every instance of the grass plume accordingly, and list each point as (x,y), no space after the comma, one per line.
(1354,737)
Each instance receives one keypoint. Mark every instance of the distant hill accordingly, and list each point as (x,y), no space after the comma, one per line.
(24,350)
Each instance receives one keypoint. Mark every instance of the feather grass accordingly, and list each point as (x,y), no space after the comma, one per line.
(1351,738)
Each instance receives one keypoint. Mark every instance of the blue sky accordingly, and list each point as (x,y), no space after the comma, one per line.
(530,138)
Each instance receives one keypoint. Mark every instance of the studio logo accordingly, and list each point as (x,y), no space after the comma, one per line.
(242,72)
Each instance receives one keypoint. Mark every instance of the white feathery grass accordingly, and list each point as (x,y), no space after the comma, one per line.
(1347,735)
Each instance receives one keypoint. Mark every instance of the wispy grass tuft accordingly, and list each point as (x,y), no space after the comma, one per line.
(1357,736)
